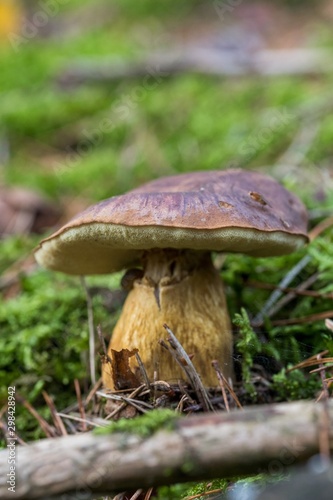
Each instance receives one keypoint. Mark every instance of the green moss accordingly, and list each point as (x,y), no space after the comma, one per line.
(248,345)
(144,426)
(295,385)
(44,338)
(205,487)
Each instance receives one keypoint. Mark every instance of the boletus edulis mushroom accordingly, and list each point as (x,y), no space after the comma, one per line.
(169,227)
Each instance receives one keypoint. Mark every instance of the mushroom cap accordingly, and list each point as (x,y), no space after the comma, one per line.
(229,210)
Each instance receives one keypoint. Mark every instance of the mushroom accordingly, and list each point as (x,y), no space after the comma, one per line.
(170,227)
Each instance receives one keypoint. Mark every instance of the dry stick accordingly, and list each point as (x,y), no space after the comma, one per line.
(324,429)
(136,494)
(48,430)
(142,370)
(321,227)
(221,383)
(215,444)
(304,319)
(123,405)
(83,420)
(295,291)
(93,391)
(320,369)
(291,295)
(92,362)
(136,404)
(79,400)
(180,355)
(149,493)
(58,423)
(207,60)
(206,493)
(312,361)
(129,400)
(274,297)
(227,385)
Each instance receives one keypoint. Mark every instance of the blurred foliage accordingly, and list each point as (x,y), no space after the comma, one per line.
(295,385)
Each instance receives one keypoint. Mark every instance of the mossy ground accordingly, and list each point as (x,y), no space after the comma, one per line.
(57,144)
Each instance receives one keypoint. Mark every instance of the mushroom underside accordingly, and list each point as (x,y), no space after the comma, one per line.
(99,248)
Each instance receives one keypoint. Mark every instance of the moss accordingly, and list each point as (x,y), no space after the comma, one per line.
(144,426)
(295,385)
(44,340)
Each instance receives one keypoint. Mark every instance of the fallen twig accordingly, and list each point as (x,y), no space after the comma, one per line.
(215,445)
(200,60)
(295,291)
(180,355)
(311,361)
(58,423)
(304,319)
(90,311)
(274,297)
(47,429)
(224,383)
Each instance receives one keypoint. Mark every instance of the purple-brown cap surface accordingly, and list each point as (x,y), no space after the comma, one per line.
(228,210)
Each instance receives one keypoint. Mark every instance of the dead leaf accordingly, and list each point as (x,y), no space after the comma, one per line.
(123,377)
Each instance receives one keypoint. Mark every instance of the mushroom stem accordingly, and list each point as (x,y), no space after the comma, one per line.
(182,289)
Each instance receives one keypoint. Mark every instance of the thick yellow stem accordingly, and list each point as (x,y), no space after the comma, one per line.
(195,310)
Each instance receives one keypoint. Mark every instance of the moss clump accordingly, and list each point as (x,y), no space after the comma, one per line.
(144,426)
(249,347)
(294,385)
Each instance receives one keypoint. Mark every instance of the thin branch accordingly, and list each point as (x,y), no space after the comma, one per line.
(142,370)
(292,294)
(92,361)
(321,227)
(219,444)
(274,297)
(324,429)
(207,60)
(58,423)
(47,429)
(296,291)
(83,420)
(311,361)
(224,382)
(184,361)
(304,319)
(79,400)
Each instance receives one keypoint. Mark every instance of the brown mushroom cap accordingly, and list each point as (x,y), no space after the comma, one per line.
(228,210)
